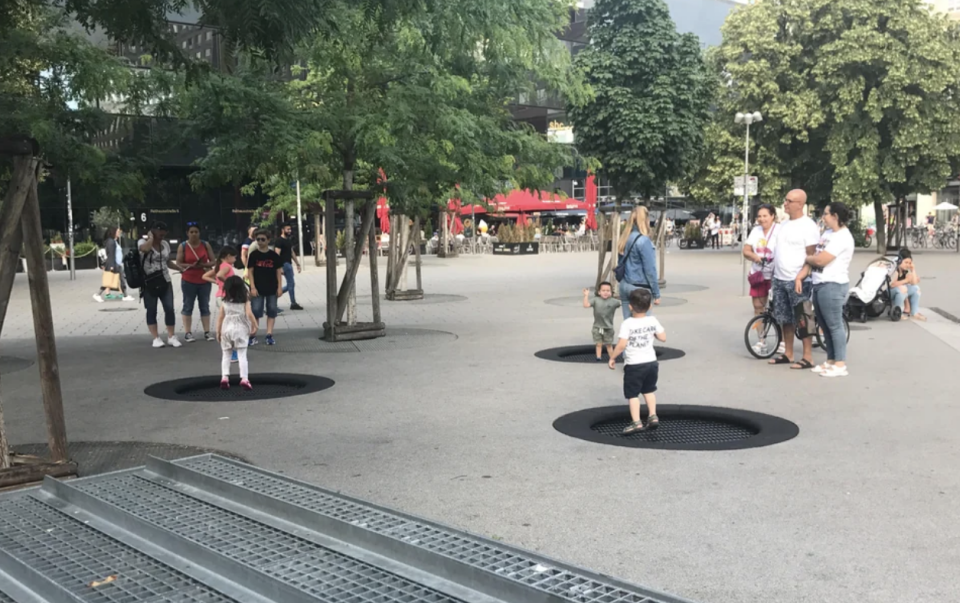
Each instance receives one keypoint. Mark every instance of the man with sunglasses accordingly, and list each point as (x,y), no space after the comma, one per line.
(796,240)
(265,287)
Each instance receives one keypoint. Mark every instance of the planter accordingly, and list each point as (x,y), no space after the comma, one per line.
(516,248)
(692,244)
(87,262)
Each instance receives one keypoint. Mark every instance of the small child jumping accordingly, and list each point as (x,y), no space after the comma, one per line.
(641,368)
(219,274)
(604,309)
(235,325)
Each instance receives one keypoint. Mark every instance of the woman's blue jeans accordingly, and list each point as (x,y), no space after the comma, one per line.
(913,294)
(828,300)
(625,289)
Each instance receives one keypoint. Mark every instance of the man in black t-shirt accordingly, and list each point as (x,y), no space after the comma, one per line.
(265,283)
(288,256)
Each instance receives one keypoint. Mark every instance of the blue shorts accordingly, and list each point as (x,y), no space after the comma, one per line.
(257,304)
(786,299)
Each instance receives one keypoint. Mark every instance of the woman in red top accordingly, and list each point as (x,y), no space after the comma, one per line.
(195,257)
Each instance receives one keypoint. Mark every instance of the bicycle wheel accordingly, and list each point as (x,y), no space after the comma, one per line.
(763,336)
(819,336)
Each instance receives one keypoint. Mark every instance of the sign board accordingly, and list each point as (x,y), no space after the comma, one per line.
(752,183)
(560,133)
(516,248)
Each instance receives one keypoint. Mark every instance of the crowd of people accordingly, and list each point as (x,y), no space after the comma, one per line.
(249,284)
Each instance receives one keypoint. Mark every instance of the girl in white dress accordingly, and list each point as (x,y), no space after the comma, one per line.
(235,325)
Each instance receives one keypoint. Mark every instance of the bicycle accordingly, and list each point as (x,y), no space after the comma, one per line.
(769,334)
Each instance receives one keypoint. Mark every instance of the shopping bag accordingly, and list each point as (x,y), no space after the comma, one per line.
(110,280)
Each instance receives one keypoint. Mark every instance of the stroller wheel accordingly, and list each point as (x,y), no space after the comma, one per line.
(863,316)
(896,313)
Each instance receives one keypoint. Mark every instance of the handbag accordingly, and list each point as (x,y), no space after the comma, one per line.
(154,282)
(620,272)
(110,280)
(756,279)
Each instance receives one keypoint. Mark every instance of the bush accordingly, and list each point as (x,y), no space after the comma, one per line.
(692,232)
(511,233)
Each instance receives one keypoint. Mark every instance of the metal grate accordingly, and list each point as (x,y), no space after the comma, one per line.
(678,431)
(312,568)
(461,547)
(73,555)
(577,302)
(585,354)
(119,310)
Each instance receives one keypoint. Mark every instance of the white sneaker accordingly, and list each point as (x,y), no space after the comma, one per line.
(835,371)
(782,348)
(98,298)
(821,368)
(173,341)
(158,343)
(128,298)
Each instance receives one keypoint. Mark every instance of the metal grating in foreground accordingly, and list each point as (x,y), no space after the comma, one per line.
(210,529)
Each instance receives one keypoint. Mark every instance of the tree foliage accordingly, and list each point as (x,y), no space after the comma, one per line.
(859,98)
(52,83)
(424,98)
(645,123)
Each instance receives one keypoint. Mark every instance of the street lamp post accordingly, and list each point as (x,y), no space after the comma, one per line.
(747,119)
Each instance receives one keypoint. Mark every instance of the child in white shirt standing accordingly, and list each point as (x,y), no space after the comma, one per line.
(641,369)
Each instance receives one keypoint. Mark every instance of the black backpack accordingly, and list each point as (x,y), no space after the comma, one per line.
(133,269)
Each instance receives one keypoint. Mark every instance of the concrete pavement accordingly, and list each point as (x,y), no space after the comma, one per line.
(860,507)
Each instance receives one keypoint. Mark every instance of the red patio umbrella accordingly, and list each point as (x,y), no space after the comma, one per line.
(591,200)
(383,209)
(457,226)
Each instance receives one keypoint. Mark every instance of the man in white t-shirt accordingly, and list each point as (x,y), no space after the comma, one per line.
(797,238)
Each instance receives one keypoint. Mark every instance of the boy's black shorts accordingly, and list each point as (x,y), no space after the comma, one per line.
(639,379)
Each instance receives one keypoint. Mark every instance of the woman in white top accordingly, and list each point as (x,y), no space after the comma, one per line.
(157,263)
(831,281)
(759,250)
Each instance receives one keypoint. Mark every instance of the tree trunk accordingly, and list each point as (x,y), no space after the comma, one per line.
(454,252)
(661,247)
(444,241)
(11,229)
(330,234)
(418,240)
(349,253)
(392,255)
(348,286)
(317,238)
(602,251)
(374,276)
(4,444)
(43,327)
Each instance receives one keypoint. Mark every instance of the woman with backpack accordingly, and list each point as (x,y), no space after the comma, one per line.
(156,262)
(637,266)
(195,257)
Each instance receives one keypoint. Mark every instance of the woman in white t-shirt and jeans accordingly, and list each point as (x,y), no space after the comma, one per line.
(831,281)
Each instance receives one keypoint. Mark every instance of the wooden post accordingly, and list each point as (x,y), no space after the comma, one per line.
(350,260)
(374,277)
(329,233)
(391,255)
(43,326)
(11,229)
(417,241)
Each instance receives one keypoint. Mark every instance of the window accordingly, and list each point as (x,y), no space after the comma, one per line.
(198,55)
(207,53)
(183,44)
(190,43)
(209,35)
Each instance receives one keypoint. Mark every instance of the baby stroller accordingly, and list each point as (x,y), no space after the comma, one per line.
(871,297)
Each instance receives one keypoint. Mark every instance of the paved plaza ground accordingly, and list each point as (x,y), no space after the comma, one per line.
(861,507)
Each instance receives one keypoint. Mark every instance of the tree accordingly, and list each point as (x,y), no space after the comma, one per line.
(859,97)
(645,123)
(424,98)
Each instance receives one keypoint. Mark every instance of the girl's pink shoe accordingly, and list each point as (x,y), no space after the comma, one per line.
(224,383)
(246,385)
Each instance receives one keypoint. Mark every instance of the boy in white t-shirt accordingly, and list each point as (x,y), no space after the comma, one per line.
(641,369)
